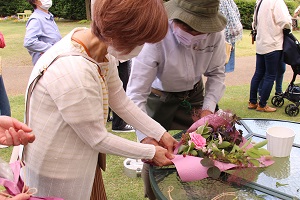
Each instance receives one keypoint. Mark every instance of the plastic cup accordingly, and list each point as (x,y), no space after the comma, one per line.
(280,141)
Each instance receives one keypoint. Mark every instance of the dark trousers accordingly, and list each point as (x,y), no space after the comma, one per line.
(4,102)
(278,81)
(123,68)
(266,69)
(175,110)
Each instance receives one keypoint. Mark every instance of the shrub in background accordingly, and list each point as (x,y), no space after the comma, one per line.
(12,7)
(67,9)
(75,9)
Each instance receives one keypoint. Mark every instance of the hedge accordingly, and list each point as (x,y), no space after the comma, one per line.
(75,9)
(67,9)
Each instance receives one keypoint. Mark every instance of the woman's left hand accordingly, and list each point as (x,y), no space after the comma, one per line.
(167,141)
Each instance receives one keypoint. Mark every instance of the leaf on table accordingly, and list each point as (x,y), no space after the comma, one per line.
(280,184)
(214,172)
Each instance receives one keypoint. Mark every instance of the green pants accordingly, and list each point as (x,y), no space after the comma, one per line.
(174,110)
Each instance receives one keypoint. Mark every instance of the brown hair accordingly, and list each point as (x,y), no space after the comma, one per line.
(125,24)
(32,2)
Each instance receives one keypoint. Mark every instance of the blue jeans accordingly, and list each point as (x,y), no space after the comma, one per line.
(278,81)
(4,102)
(267,66)
(279,78)
(229,67)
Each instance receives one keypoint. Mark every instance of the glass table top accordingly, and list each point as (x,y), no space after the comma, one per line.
(278,181)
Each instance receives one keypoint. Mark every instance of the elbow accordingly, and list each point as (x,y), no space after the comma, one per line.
(27,45)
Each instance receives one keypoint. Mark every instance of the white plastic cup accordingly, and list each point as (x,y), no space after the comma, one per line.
(280,141)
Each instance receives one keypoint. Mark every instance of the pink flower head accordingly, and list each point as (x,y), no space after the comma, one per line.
(198,140)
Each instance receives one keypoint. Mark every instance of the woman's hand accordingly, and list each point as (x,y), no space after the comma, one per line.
(205,113)
(162,157)
(167,141)
(14,132)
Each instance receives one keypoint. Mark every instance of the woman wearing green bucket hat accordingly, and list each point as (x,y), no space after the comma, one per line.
(166,77)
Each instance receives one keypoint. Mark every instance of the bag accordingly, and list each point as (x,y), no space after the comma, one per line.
(291,48)
(228,48)
(2,42)
(253,34)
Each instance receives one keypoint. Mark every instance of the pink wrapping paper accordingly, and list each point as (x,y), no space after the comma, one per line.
(15,187)
(189,168)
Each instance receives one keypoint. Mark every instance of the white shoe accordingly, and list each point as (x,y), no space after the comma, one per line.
(128,128)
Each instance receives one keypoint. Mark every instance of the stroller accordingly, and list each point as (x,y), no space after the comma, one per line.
(291,56)
(292,94)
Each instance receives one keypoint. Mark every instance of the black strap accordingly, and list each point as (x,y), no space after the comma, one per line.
(256,13)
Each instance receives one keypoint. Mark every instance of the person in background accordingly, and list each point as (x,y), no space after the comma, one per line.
(4,102)
(118,124)
(41,29)
(278,80)
(272,17)
(166,77)
(2,41)
(69,104)
(233,30)
(14,132)
(295,19)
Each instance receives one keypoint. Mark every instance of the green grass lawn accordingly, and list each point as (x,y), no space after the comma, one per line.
(117,184)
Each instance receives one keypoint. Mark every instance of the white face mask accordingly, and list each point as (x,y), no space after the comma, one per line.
(186,38)
(119,55)
(46,4)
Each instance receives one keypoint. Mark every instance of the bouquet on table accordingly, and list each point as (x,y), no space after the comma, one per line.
(213,144)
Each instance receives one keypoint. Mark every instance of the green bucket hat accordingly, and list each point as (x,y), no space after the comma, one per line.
(201,15)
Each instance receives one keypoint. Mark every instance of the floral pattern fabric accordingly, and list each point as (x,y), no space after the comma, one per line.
(234,28)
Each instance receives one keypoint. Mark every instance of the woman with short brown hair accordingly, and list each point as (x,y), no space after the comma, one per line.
(69,104)
(129,23)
